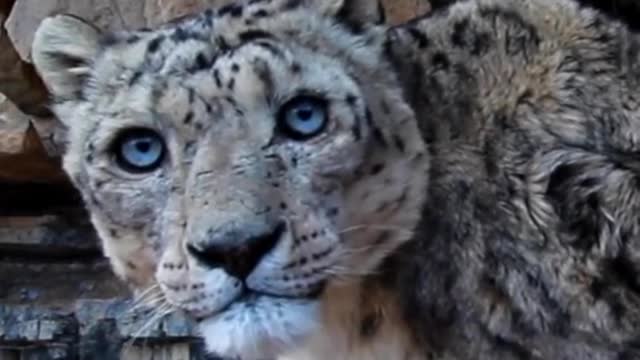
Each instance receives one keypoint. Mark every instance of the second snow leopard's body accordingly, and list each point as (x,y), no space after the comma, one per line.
(311,184)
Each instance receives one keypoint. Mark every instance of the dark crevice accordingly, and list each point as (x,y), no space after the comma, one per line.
(626,11)
(47,254)
(24,199)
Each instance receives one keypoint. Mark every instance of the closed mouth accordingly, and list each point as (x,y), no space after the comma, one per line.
(252,294)
(249,297)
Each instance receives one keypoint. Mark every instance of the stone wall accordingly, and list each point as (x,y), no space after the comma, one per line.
(58,298)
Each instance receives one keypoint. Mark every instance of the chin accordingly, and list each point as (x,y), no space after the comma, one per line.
(260,327)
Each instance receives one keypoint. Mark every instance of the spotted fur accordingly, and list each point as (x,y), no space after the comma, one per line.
(473,195)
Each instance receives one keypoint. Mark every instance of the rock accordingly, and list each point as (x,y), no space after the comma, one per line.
(93,330)
(399,11)
(125,14)
(159,11)
(31,324)
(23,154)
(108,15)
(13,126)
(18,79)
(62,284)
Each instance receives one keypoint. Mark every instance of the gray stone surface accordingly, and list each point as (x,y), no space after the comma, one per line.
(93,329)
(60,300)
(68,232)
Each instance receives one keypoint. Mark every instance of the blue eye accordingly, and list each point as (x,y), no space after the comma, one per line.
(303,117)
(139,150)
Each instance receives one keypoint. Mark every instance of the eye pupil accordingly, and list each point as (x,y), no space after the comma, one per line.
(305,114)
(143,146)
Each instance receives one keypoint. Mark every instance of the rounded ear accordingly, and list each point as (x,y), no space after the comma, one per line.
(355,13)
(63,49)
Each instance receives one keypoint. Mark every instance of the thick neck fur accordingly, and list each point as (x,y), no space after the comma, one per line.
(360,321)
(527,108)
(510,98)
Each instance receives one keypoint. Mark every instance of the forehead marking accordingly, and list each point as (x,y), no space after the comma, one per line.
(154,44)
(234,10)
(251,35)
(159,47)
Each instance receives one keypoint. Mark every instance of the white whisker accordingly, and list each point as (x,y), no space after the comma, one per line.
(156,316)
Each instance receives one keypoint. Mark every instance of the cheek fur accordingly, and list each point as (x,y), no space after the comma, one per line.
(131,256)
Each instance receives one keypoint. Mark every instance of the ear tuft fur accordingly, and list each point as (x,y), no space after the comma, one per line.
(63,49)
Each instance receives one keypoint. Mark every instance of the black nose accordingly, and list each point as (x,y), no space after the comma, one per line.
(238,256)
